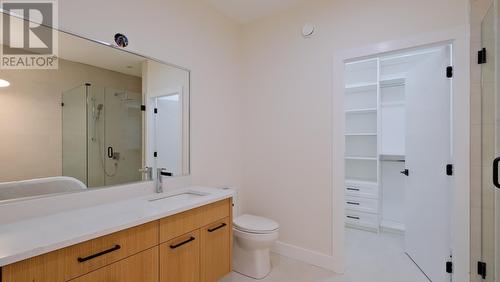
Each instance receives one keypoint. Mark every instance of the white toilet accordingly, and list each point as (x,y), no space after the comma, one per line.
(253,238)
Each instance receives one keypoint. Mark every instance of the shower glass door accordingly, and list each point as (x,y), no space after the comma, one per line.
(123,136)
(102,135)
(490,148)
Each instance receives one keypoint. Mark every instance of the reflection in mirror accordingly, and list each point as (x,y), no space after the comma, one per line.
(169,130)
(82,125)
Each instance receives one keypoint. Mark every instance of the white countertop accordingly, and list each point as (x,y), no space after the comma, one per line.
(38,235)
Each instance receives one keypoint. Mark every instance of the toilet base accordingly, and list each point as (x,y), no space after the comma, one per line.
(255,263)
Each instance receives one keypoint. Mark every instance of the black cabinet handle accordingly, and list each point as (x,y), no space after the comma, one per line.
(182,243)
(353,217)
(353,203)
(110,152)
(216,228)
(496,181)
(352,189)
(116,247)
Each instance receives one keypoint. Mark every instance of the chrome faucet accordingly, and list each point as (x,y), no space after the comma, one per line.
(159,173)
(148,171)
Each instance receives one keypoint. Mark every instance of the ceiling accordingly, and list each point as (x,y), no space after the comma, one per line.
(249,10)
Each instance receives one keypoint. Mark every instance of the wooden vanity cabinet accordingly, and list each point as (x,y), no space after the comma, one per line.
(194,245)
(180,258)
(215,252)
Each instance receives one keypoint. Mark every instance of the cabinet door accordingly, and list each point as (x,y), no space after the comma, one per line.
(215,250)
(180,259)
(140,267)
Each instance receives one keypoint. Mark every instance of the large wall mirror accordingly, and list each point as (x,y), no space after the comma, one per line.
(97,120)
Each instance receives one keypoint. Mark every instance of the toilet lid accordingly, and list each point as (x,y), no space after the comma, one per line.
(255,224)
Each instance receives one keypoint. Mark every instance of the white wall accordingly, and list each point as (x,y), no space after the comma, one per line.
(287,102)
(187,33)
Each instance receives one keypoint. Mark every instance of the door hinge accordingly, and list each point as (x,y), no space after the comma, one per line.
(449,72)
(62,104)
(449,267)
(155,110)
(449,169)
(481,56)
(155,154)
(481,269)
(143,108)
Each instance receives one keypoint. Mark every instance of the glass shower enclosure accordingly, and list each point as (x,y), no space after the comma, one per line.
(489,264)
(102,135)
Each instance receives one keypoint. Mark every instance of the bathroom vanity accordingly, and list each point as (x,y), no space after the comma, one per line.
(184,235)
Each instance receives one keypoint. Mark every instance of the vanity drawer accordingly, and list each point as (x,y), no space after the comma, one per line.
(90,255)
(367,220)
(361,189)
(182,223)
(361,204)
(82,258)
(139,267)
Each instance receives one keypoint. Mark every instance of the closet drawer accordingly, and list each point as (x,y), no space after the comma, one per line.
(361,204)
(361,189)
(362,219)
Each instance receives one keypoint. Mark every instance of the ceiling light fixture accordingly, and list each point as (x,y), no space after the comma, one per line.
(4,83)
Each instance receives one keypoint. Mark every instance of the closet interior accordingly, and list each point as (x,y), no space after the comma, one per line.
(375,140)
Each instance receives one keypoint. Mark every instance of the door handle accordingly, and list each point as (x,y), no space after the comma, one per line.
(405,172)
(182,243)
(110,152)
(496,181)
(216,228)
(115,248)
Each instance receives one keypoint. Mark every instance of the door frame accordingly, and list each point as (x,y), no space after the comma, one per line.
(460,202)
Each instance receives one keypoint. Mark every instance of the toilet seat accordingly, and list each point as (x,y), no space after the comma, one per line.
(255,224)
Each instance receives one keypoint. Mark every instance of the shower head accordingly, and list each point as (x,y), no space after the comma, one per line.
(96,111)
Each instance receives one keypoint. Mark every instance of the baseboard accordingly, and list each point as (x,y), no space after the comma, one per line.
(305,255)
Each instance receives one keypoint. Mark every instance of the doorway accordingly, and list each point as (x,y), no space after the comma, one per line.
(398,159)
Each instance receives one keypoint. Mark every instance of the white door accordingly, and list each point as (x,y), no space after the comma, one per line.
(427,236)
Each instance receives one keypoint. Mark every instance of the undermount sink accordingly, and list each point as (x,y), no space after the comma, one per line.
(183,197)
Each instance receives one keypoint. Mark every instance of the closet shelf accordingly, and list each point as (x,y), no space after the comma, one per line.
(392,81)
(361,87)
(361,158)
(361,111)
(361,134)
(351,181)
(360,181)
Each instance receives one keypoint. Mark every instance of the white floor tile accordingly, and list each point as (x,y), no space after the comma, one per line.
(370,257)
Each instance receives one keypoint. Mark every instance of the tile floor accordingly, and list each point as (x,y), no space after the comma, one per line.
(370,258)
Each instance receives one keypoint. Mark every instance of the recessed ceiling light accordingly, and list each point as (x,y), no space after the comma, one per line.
(4,83)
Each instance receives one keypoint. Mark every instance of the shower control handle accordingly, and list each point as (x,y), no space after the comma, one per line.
(110,152)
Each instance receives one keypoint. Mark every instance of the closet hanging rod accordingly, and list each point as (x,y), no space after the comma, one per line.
(392,158)
(394,161)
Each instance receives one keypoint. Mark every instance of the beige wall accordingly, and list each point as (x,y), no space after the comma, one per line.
(287,96)
(31,116)
(191,34)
